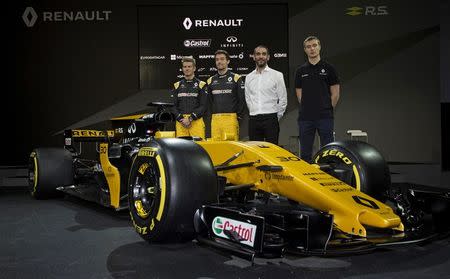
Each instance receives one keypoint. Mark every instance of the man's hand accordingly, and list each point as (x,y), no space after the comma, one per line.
(298,92)
(186,122)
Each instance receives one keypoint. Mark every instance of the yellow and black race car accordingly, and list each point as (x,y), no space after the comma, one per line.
(249,198)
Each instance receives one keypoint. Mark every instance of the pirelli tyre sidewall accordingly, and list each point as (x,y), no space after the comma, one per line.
(49,168)
(369,171)
(169,180)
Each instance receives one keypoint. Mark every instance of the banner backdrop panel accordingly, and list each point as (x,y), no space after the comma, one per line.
(167,33)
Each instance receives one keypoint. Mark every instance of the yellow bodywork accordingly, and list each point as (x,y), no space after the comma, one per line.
(112,175)
(304,183)
(298,180)
(128,117)
(164,134)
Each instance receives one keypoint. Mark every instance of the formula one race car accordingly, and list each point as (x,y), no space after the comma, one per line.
(249,198)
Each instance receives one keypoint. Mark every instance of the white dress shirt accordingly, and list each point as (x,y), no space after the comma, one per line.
(265,92)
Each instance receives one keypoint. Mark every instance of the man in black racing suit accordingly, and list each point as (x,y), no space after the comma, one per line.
(190,102)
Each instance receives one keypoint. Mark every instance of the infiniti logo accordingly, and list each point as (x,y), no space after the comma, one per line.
(232,42)
(231,39)
(187,23)
(29,11)
(132,128)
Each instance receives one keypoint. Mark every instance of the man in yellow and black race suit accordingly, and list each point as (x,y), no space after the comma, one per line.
(190,102)
(228,99)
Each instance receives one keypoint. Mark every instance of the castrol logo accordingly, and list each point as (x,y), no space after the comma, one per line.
(245,232)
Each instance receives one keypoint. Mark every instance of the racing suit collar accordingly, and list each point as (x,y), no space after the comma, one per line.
(226,73)
(189,80)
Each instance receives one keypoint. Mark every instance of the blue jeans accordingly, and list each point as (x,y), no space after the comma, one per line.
(307,131)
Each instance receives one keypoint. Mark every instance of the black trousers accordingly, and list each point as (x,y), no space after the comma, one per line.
(264,127)
(307,133)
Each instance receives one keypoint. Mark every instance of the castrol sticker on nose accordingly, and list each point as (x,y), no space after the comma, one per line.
(244,232)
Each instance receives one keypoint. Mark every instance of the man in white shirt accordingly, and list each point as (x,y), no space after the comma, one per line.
(266,97)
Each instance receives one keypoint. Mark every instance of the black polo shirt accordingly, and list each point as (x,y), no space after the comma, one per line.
(315,81)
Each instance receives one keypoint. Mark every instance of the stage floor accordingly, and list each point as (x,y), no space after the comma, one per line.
(71,238)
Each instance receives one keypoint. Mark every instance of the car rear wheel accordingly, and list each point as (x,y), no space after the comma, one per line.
(48,169)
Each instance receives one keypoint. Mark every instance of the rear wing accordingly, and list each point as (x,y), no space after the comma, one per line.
(74,138)
(71,136)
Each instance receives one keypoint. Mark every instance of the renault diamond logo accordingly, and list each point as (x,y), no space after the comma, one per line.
(29,16)
(231,39)
(353,11)
(187,23)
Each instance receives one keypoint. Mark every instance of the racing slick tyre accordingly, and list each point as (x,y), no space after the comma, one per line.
(358,164)
(48,169)
(169,180)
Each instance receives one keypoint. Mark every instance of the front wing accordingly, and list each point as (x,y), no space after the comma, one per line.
(276,226)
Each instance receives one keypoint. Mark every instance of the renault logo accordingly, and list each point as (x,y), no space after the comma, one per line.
(231,39)
(29,16)
(187,23)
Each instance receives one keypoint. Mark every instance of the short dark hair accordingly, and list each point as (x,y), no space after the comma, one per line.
(310,38)
(224,52)
(262,46)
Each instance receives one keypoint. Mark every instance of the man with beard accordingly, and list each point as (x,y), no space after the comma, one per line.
(227,96)
(317,89)
(265,94)
(190,100)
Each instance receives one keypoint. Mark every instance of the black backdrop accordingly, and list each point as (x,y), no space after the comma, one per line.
(64,73)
